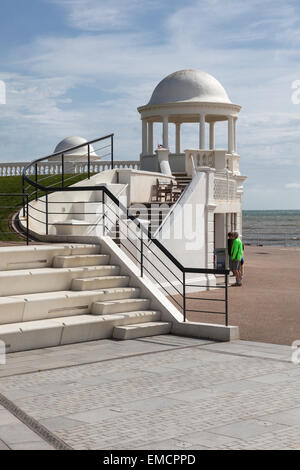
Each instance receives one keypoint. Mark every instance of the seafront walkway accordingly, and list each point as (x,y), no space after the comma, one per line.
(163,392)
(267,307)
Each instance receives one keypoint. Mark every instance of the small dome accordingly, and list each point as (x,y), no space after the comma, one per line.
(189,86)
(73,141)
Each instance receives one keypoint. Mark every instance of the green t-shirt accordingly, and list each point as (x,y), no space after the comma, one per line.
(237,249)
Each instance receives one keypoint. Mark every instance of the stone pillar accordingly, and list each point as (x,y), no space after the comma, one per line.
(178,125)
(202,132)
(209,217)
(235,220)
(221,231)
(233,227)
(144,137)
(234,135)
(150,138)
(228,223)
(211,135)
(166,132)
(230,134)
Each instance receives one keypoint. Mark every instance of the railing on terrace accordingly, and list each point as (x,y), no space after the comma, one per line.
(154,261)
(113,219)
(224,188)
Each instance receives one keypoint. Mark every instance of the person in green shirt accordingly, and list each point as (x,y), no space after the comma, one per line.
(236,257)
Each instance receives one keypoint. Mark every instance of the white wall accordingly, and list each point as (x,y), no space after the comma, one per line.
(187,233)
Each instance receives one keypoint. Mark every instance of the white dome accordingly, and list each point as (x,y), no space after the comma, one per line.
(73,141)
(189,86)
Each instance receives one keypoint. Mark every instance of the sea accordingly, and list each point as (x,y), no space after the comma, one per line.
(281,228)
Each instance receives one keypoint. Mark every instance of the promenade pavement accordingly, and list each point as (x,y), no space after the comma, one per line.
(267,307)
(163,392)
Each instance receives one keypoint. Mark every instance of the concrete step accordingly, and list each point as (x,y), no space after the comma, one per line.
(39,256)
(49,279)
(47,305)
(93,283)
(72,261)
(67,330)
(119,306)
(141,330)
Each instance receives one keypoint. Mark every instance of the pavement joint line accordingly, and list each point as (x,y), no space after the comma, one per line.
(249,356)
(33,424)
(128,356)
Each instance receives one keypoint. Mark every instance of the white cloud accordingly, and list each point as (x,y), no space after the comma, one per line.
(103,15)
(292,186)
(251,47)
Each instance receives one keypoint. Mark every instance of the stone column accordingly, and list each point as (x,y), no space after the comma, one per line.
(211,135)
(209,217)
(178,125)
(150,138)
(230,134)
(228,223)
(144,137)
(166,132)
(234,135)
(202,132)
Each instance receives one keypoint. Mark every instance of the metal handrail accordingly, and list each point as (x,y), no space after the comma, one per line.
(144,231)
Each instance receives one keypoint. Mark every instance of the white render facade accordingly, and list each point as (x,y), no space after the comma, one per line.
(193,96)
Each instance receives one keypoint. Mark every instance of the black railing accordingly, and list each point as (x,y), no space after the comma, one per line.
(63,176)
(153,258)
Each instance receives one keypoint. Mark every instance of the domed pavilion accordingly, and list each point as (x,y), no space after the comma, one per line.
(186,96)
(79,154)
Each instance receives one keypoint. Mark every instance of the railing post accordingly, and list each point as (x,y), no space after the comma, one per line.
(47,215)
(183,295)
(36,180)
(112,151)
(142,255)
(226,299)
(63,170)
(103,211)
(27,221)
(89,162)
(23,192)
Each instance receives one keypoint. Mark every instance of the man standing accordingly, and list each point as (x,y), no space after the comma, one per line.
(236,257)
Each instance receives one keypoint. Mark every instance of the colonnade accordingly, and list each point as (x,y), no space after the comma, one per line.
(147,134)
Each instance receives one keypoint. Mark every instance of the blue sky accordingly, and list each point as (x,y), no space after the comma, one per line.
(81,67)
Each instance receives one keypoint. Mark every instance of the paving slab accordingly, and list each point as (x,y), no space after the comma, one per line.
(288,417)
(17,434)
(247,428)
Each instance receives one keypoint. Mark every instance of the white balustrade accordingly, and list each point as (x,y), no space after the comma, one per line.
(55,167)
(225,188)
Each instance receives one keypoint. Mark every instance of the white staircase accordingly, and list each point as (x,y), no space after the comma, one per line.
(62,294)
